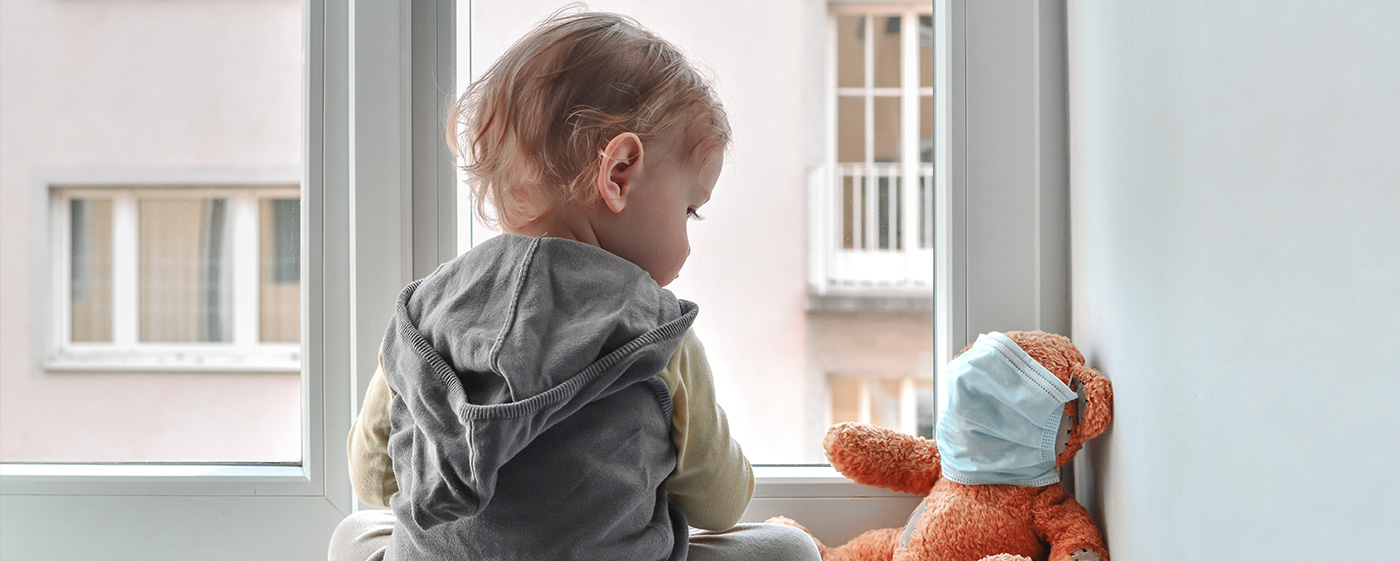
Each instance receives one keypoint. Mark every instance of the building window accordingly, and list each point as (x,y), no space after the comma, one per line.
(176,278)
(872,201)
(903,403)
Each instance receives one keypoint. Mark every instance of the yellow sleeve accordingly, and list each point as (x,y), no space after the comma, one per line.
(371,469)
(713,481)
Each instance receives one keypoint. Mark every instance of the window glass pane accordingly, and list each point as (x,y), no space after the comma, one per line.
(186,271)
(888,122)
(887,44)
(926,51)
(846,398)
(926,232)
(852,195)
(90,270)
(807,318)
(151,119)
(886,402)
(850,129)
(279,257)
(850,51)
(926,129)
(923,403)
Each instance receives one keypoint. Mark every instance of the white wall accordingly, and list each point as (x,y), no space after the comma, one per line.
(1235,209)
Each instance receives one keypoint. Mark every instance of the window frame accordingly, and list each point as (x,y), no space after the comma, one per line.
(245,352)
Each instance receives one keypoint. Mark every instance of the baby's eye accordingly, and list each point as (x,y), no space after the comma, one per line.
(690,213)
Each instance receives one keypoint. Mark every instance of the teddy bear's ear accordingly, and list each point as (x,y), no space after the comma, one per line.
(1098,403)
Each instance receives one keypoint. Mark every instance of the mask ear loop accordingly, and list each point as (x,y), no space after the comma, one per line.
(1072,388)
(1078,388)
(1062,439)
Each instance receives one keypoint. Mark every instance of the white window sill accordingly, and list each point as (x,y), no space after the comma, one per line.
(811,481)
(282,358)
(833,508)
(155,479)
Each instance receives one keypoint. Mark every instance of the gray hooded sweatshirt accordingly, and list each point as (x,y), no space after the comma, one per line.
(527,421)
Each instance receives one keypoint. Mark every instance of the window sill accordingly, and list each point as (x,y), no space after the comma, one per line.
(811,481)
(871,300)
(833,508)
(178,358)
(155,479)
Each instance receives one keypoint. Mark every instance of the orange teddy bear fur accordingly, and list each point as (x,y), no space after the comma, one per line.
(976,522)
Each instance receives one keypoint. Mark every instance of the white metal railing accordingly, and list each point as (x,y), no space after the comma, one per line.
(870,228)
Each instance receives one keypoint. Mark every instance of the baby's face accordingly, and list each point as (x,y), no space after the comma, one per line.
(652,230)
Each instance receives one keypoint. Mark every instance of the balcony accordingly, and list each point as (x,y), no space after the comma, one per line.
(870,236)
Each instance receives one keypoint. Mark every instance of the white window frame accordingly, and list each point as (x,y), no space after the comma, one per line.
(245,352)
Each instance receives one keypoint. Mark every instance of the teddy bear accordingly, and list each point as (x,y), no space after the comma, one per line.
(1020,405)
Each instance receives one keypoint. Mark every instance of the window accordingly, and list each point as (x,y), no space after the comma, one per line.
(871,230)
(359,234)
(872,204)
(886,399)
(188,278)
(769,325)
(170,193)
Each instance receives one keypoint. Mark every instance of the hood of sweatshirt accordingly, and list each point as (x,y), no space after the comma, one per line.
(499,345)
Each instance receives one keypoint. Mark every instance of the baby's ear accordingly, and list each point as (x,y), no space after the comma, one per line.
(618,164)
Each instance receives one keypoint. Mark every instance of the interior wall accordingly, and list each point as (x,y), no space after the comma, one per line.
(1235,212)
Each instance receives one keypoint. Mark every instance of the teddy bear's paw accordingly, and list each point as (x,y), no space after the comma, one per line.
(1005,557)
(1084,555)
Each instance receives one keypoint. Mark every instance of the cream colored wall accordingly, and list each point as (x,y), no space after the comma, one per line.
(123,87)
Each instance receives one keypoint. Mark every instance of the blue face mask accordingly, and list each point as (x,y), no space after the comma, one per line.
(1003,416)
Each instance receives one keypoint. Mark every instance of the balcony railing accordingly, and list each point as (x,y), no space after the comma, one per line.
(871,229)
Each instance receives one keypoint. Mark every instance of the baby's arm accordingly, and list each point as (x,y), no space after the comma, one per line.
(713,481)
(371,469)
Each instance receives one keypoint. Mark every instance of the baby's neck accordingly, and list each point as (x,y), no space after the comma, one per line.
(568,226)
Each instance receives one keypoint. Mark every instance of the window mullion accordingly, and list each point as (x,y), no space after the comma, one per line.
(126,255)
(909,140)
(864,398)
(869,27)
(909,405)
(246,241)
(62,235)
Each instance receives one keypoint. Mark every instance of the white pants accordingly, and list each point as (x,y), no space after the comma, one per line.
(364,536)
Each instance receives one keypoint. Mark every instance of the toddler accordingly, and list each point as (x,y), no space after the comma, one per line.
(542,397)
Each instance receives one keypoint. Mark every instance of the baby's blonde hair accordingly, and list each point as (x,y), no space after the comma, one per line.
(535,125)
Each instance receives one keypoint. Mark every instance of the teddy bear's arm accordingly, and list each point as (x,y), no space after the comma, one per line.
(1063,523)
(881,457)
